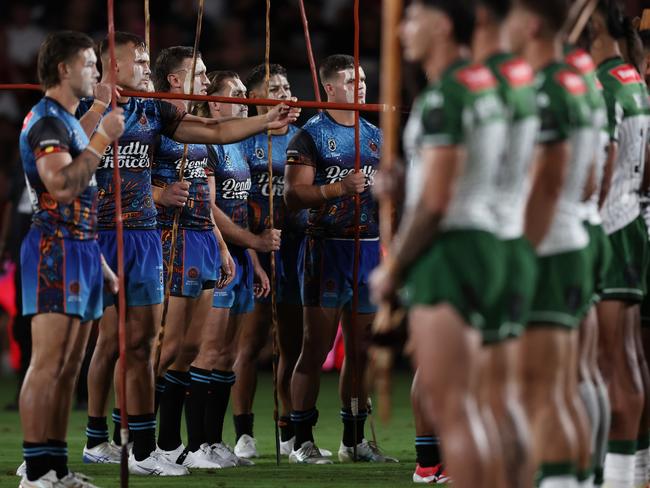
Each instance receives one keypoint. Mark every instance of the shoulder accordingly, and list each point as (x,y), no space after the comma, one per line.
(512,71)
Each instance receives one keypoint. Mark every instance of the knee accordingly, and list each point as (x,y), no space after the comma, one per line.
(139,347)
(248,354)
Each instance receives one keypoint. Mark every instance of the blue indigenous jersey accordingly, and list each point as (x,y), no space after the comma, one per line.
(258,201)
(196,214)
(144,120)
(328,147)
(49,128)
(228,164)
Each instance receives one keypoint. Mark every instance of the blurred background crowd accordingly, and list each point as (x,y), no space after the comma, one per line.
(233,38)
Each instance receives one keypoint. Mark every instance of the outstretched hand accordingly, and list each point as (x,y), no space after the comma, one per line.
(281,115)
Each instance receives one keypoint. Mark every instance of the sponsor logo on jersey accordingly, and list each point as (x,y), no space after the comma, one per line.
(133,156)
(476,78)
(232,189)
(626,74)
(517,72)
(259,153)
(571,82)
(581,61)
(194,169)
(336,173)
(193,273)
(278,185)
(331,144)
(373,146)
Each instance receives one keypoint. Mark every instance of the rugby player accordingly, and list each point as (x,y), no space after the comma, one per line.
(146,120)
(449,232)
(200,250)
(62,266)
(624,286)
(255,332)
(212,371)
(320,175)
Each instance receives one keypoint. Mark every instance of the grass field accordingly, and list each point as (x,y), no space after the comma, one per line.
(396,439)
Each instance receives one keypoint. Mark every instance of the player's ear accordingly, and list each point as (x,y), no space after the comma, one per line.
(214,107)
(64,70)
(329,88)
(173,80)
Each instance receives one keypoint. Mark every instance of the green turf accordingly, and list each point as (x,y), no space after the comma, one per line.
(396,439)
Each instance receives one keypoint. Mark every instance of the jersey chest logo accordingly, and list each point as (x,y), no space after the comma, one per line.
(626,74)
(581,61)
(518,73)
(476,78)
(331,144)
(259,153)
(571,82)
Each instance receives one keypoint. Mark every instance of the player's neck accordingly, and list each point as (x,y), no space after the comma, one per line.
(486,42)
(64,97)
(604,48)
(342,117)
(441,57)
(543,51)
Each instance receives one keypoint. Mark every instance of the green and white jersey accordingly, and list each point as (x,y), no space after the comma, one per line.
(464,108)
(566,117)
(627,113)
(584,64)
(517,89)
(412,140)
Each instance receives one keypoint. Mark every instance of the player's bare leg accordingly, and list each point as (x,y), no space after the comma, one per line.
(447,391)
(546,355)
(619,365)
(576,372)
(500,398)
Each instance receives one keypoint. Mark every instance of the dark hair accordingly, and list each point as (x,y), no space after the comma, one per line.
(59,47)
(217,80)
(333,64)
(616,21)
(168,61)
(462,15)
(121,39)
(554,12)
(498,8)
(256,76)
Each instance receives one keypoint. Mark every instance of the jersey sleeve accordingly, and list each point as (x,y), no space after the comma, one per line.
(442,119)
(170,117)
(554,116)
(302,150)
(47,136)
(215,157)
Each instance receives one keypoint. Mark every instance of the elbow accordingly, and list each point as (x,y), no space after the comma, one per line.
(291,200)
(65,197)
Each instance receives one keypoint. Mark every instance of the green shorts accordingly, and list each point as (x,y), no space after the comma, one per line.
(510,317)
(626,276)
(464,268)
(599,253)
(562,289)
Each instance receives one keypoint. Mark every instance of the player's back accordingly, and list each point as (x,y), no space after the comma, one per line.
(516,80)
(50,128)
(627,107)
(566,116)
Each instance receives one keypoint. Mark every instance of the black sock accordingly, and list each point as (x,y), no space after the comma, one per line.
(96,431)
(286,428)
(243,424)
(37,458)
(303,422)
(117,425)
(195,407)
(58,451)
(427,450)
(217,404)
(144,434)
(349,425)
(171,409)
(161,384)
